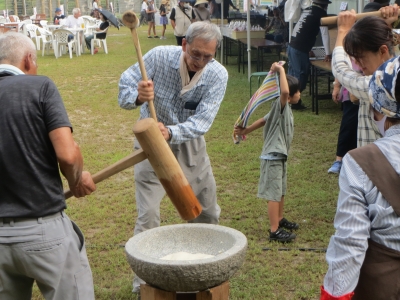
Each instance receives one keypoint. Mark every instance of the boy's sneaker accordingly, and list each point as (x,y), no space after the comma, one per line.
(335,169)
(281,236)
(288,225)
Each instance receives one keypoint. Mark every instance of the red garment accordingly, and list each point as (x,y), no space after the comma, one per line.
(326,296)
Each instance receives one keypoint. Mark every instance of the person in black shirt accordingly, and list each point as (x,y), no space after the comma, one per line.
(101,35)
(38,241)
(58,16)
(303,39)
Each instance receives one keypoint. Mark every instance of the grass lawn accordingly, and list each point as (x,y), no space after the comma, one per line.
(89,88)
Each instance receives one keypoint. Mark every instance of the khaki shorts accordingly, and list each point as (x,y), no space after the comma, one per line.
(273,180)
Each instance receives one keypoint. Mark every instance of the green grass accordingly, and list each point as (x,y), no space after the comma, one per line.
(89,87)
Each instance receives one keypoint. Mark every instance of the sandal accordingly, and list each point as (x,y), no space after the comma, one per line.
(156,36)
(288,225)
(149,37)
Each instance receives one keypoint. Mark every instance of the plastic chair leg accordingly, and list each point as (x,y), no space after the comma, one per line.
(70,51)
(92,46)
(105,46)
(38,43)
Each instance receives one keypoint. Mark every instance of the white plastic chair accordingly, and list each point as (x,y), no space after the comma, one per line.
(60,39)
(89,22)
(43,23)
(2,20)
(31,29)
(96,40)
(47,39)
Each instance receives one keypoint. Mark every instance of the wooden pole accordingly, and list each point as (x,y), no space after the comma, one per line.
(15,8)
(50,11)
(333,20)
(167,168)
(128,161)
(131,21)
(43,10)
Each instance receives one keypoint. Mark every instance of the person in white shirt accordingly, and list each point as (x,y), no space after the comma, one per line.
(143,12)
(74,21)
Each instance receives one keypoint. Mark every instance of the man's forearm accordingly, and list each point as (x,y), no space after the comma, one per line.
(72,168)
(68,154)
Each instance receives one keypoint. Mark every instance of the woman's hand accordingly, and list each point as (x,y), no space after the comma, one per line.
(346,20)
(336,93)
(390,13)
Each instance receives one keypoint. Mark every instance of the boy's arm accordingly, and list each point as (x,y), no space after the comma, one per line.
(243,131)
(276,67)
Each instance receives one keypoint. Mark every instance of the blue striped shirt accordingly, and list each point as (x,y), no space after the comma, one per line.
(162,66)
(362,213)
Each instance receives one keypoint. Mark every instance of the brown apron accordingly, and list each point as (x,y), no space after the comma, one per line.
(380,273)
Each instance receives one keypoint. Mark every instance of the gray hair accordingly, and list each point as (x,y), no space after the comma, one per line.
(203,30)
(76,11)
(14,46)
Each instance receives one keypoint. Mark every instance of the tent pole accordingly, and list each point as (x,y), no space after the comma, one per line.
(222,25)
(248,41)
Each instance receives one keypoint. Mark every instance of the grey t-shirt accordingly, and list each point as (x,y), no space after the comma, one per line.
(30,183)
(278,130)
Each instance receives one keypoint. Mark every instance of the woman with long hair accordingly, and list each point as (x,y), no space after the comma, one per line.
(370,42)
(163,18)
(363,218)
(150,19)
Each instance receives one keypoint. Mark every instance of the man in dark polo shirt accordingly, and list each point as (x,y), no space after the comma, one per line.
(303,39)
(38,242)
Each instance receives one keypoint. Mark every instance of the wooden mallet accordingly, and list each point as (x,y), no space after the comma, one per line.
(333,20)
(132,22)
(165,165)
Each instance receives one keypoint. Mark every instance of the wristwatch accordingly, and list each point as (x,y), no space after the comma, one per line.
(170,133)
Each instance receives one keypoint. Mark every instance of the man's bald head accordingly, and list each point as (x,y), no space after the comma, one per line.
(15,49)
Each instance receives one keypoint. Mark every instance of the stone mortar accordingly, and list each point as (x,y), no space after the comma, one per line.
(228,246)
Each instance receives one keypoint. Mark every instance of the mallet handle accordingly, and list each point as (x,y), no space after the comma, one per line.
(128,161)
(333,20)
(142,69)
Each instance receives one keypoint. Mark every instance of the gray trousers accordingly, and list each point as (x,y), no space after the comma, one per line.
(195,163)
(48,250)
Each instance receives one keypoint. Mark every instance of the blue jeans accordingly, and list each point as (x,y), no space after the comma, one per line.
(278,38)
(88,40)
(299,66)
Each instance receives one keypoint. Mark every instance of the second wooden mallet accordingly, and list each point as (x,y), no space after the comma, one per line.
(131,21)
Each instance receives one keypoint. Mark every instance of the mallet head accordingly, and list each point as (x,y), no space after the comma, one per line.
(130,20)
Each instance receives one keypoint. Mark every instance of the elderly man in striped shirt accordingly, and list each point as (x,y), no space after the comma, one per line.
(188,86)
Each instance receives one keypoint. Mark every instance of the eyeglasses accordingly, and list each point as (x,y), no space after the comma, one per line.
(205,59)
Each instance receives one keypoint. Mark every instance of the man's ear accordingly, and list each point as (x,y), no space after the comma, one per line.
(184,43)
(29,64)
